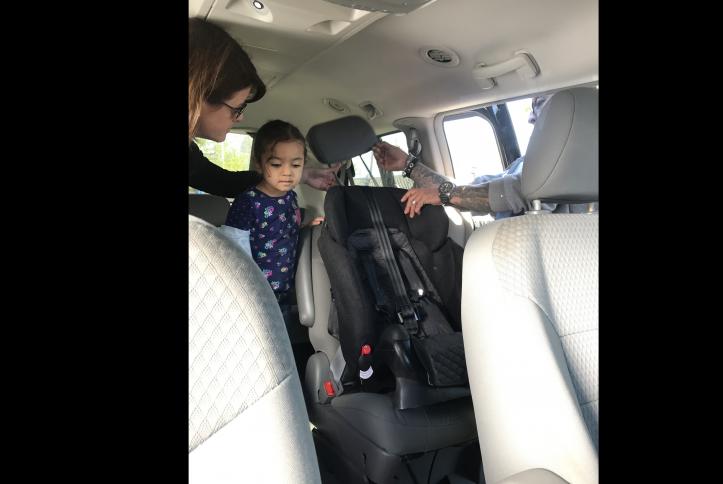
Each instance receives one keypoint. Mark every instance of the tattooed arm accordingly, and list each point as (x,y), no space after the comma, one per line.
(392,158)
(425,177)
(468,197)
(472,197)
(497,193)
(500,195)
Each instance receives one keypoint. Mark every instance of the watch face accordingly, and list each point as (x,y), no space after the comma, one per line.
(446,187)
(444,190)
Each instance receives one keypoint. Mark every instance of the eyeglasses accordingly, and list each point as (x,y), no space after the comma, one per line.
(236,112)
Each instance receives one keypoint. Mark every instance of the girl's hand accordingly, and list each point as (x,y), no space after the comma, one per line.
(317,221)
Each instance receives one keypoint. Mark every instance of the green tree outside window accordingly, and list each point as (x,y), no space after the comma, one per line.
(234,154)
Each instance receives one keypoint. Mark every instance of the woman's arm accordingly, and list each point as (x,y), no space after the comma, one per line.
(210,178)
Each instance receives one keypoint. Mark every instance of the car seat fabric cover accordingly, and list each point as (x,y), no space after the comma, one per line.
(346,212)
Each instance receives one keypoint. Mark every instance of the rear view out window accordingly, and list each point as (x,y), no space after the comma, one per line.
(232,155)
(366,170)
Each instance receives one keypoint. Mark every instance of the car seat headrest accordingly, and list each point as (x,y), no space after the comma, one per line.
(561,163)
(341,139)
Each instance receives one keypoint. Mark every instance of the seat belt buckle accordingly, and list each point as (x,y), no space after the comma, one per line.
(408,317)
(329,388)
(406,313)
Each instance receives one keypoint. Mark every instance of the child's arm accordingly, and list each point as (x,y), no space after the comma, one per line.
(238,237)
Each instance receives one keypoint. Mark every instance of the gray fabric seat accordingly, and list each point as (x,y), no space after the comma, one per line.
(247,419)
(530,311)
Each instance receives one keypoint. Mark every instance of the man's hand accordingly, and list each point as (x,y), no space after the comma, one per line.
(320,178)
(389,157)
(416,198)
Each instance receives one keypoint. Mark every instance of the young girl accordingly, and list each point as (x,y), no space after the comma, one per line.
(265,219)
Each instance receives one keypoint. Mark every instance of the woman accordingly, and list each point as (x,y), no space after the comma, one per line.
(222,81)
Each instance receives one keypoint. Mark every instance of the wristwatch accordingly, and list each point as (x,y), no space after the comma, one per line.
(445,189)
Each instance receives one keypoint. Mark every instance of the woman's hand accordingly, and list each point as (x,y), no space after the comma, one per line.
(416,198)
(320,178)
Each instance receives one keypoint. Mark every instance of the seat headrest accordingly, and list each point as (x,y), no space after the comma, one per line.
(561,163)
(341,139)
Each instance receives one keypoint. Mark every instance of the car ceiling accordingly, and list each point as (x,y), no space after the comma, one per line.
(309,50)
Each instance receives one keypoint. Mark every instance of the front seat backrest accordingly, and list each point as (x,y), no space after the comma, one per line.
(530,309)
(247,419)
(211,208)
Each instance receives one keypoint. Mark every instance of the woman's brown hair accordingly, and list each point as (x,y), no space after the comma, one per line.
(217,68)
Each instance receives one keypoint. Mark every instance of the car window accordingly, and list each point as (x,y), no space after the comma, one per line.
(232,155)
(474,145)
(366,170)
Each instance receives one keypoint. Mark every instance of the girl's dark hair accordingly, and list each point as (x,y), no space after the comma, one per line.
(217,68)
(273,132)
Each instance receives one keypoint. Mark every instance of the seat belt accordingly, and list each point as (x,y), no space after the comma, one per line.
(403,306)
(415,284)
